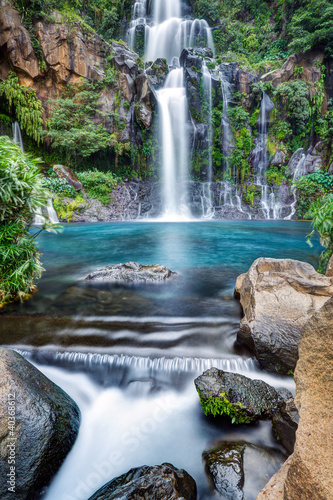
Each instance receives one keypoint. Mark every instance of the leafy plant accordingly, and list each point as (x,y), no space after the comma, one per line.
(98,184)
(60,186)
(65,210)
(24,103)
(22,191)
(322,222)
(221,406)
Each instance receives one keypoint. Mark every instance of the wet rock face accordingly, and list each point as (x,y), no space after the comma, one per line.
(238,470)
(252,399)
(160,482)
(278,296)
(225,468)
(131,271)
(45,426)
(285,422)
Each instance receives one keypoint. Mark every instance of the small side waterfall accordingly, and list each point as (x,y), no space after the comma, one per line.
(268,203)
(17,136)
(225,124)
(52,214)
(298,172)
(172,105)
(207,203)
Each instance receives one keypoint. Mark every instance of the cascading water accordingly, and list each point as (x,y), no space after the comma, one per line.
(268,203)
(165,35)
(225,124)
(17,136)
(173,139)
(207,202)
(298,172)
(165,32)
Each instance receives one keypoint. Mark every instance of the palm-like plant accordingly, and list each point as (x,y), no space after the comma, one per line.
(22,191)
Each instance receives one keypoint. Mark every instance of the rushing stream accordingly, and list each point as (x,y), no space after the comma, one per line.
(128,354)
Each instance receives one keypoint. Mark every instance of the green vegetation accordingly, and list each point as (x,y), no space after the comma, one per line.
(99,185)
(22,191)
(322,223)
(221,406)
(24,103)
(71,128)
(60,187)
(310,188)
(65,208)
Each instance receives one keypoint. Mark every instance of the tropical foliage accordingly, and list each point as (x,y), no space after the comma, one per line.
(24,104)
(322,222)
(22,191)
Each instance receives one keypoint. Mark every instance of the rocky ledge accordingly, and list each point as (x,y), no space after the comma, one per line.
(277,297)
(131,271)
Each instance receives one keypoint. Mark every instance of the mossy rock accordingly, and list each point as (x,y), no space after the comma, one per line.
(239,398)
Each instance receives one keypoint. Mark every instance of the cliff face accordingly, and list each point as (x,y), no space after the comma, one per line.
(72,52)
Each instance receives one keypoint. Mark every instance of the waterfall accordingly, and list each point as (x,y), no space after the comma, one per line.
(39,218)
(298,172)
(269,206)
(166,33)
(172,105)
(225,124)
(52,214)
(17,136)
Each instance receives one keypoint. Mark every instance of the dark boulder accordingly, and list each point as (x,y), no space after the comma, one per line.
(39,426)
(285,422)
(159,482)
(131,271)
(242,399)
(224,466)
(239,470)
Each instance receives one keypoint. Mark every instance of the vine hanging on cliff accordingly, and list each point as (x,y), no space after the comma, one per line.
(24,103)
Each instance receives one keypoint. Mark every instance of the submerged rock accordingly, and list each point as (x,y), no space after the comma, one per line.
(159,482)
(39,426)
(244,400)
(285,422)
(131,271)
(278,296)
(238,470)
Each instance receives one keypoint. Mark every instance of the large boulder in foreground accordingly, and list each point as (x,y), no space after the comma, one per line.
(131,271)
(39,426)
(242,399)
(159,482)
(238,470)
(309,471)
(277,297)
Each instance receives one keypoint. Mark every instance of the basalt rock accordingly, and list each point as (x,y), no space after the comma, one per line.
(132,272)
(159,482)
(42,430)
(252,399)
(238,470)
(285,422)
(277,297)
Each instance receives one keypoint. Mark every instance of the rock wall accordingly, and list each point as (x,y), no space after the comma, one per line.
(308,473)
(72,52)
